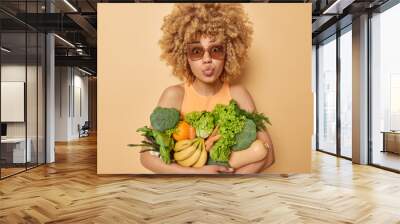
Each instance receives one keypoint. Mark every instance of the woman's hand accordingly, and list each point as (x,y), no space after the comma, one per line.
(214,169)
(211,139)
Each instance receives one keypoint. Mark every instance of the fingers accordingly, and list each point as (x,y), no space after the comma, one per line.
(215,131)
(224,169)
(210,141)
(214,138)
(208,145)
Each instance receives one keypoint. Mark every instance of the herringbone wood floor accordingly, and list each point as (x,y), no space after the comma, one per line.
(69,191)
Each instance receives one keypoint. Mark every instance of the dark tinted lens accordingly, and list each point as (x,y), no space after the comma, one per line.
(195,52)
(217,52)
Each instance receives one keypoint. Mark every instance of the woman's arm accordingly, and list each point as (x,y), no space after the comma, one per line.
(265,162)
(245,101)
(271,153)
(156,165)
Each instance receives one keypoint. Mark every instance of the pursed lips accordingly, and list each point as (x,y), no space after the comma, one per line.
(208,71)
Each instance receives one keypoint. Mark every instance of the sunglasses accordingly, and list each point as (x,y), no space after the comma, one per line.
(196,51)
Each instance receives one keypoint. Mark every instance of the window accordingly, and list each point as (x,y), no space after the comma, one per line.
(22,65)
(394,102)
(346,93)
(385,88)
(327,95)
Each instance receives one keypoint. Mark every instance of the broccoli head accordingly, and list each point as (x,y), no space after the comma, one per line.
(164,118)
(246,136)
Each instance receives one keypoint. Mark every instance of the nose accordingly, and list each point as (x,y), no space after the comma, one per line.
(206,57)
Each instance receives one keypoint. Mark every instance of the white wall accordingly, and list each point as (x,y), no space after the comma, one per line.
(62,80)
(16,73)
(33,127)
(71,93)
(81,103)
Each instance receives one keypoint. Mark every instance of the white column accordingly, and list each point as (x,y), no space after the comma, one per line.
(50,92)
(50,100)
(360,90)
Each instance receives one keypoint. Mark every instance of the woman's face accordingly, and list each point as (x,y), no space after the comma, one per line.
(206,59)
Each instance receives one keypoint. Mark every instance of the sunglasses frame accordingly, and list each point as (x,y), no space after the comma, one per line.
(190,46)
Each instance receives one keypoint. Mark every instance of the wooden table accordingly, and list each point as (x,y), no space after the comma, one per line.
(13,150)
(391,141)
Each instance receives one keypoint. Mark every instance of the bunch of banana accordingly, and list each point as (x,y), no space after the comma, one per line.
(190,152)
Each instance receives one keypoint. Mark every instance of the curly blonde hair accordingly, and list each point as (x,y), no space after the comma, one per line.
(227,23)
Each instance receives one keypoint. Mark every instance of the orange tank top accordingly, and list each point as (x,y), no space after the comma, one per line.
(193,101)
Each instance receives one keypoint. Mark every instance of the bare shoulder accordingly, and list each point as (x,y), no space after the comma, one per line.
(172,97)
(242,96)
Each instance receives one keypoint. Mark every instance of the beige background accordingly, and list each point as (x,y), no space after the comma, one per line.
(131,78)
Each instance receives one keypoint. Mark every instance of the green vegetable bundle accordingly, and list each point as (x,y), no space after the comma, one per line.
(159,139)
(230,124)
(237,128)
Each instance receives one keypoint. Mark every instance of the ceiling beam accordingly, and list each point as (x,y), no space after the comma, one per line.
(85,61)
(337,7)
(84,24)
